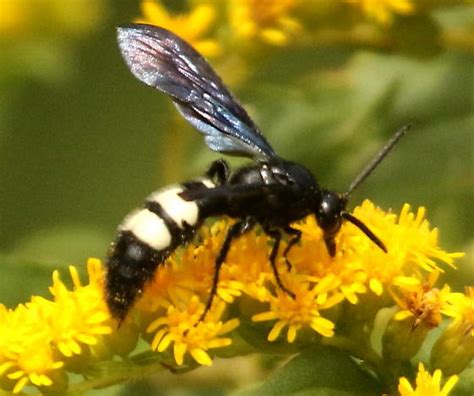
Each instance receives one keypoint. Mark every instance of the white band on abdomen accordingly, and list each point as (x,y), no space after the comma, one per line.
(148,228)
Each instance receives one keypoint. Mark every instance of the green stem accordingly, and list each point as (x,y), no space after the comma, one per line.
(118,373)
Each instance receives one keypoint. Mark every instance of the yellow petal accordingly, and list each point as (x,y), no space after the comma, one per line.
(274,36)
(376,286)
(155,12)
(87,339)
(219,343)
(264,316)
(179,350)
(157,339)
(16,374)
(402,315)
(35,379)
(229,326)
(200,19)
(201,357)
(450,383)
(276,330)
(5,366)
(155,324)
(404,387)
(20,385)
(291,335)
(165,342)
(406,281)
(323,326)
(45,380)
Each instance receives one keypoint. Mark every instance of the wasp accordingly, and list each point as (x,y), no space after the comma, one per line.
(270,192)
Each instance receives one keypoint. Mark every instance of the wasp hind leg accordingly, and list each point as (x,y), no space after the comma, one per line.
(276,235)
(234,232)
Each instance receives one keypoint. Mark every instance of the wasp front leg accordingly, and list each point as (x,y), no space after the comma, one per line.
(296,237)
(276,235)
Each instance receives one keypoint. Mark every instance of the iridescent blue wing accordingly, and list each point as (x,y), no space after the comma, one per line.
(164,61)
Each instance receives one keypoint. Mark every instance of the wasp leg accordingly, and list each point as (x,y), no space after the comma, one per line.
(296,236)
(235,231)
(219,171)
(276,235)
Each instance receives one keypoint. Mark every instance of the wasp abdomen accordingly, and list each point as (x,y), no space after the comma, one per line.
(146,237)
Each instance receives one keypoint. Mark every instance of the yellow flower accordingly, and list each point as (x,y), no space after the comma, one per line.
(461,308)
(192,26)
(454,350)
(303,310)
(265,20)
(412,245)
(180,327)
(382,11)
(83,312)
(427,385)
(26,354)
(420,300)
(421,306)
(32,335)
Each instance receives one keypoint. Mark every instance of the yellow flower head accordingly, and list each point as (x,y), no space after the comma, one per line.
(26,354)
(266,20)
(37,338)
(382,11)
(303,310)
(84,315)
(192,26)
(454,349)
(461,308)
(427,384)
(359,265)
(180,326)
(420,300)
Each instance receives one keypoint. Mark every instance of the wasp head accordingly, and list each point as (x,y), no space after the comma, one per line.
(329,215)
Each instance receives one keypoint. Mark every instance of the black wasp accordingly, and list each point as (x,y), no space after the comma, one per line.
(272,192)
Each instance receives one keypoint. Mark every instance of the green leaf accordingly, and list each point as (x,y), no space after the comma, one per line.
(318,371)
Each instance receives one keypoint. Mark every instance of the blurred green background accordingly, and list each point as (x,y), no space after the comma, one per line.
(82,142)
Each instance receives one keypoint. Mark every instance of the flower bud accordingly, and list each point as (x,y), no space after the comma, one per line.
(454,350)
(402,339)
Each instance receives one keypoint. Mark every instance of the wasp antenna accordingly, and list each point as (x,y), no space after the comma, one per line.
(378,158)
(361,226)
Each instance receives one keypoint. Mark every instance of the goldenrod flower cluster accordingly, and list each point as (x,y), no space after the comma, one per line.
(192,27)
(45,339)
(230,27)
